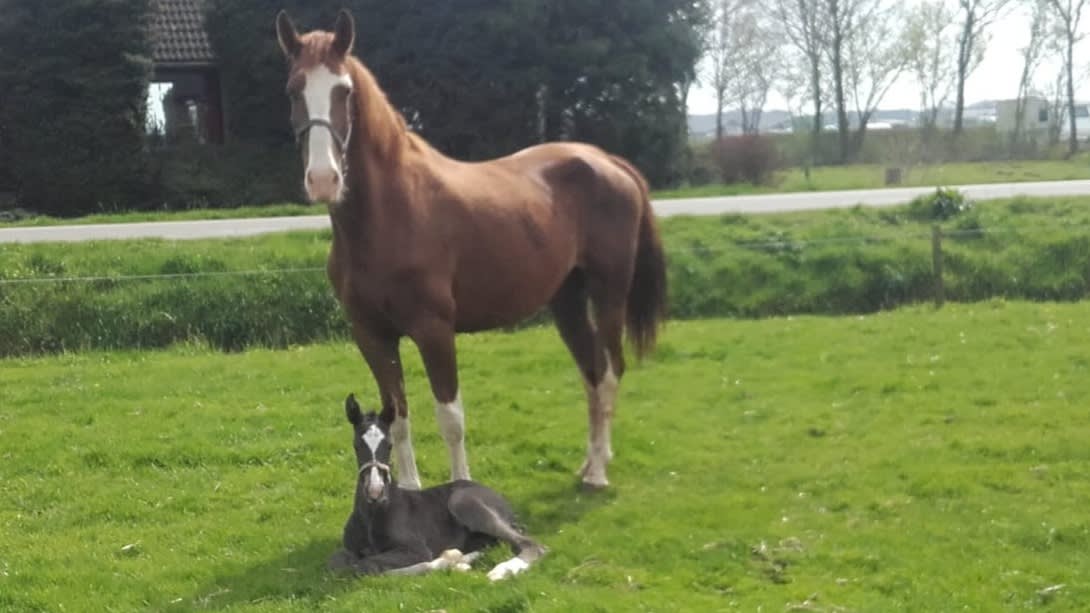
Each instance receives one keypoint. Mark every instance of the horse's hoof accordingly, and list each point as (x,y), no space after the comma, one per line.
(594,486)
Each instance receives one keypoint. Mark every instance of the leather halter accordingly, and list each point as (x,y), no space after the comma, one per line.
(342,142)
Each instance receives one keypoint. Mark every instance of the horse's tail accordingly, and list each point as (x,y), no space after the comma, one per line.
(646,308)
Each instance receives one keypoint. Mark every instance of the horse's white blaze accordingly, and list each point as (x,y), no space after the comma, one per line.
(322,152)
(372,438)
(401,433)
(451,419)
(509,568)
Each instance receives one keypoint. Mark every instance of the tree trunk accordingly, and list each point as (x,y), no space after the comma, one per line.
(1073,142)
(815,84)
(718,115)
(841,109)
(965,54)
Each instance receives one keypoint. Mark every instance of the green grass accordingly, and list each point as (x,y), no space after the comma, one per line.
(824,178)
(246,212)
(872,176)
(917,460)
(833,262)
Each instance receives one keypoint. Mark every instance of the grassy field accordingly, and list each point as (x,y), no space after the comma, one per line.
(872,176)
(825,178)
(909,461)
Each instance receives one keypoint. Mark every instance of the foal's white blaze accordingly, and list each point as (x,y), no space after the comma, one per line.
(375,485)
(372,438)
(451,419)
(323,176)
(401,433)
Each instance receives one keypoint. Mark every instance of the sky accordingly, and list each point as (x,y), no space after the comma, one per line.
(996,78)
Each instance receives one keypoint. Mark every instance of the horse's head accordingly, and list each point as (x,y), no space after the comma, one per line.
(320,89)
(371,439)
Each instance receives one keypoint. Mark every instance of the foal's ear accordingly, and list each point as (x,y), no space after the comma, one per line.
(352,410)
(287,35)
(344,32)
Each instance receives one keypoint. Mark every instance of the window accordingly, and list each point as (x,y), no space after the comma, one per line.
(1042,115)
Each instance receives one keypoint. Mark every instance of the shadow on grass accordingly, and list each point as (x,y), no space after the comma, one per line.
(560,502)
(298,576)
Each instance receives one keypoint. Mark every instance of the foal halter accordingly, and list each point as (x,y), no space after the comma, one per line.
(375,464)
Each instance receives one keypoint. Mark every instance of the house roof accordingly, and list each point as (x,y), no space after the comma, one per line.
(178,34)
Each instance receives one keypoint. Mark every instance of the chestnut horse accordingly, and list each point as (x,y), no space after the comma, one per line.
(425,246)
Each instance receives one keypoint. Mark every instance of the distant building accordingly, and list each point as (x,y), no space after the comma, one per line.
(1039,116)
(185,101)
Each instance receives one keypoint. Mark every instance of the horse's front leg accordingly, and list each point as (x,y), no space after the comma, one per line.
(384,359)
(435,339)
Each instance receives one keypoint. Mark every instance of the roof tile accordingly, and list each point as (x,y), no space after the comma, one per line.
(178,34)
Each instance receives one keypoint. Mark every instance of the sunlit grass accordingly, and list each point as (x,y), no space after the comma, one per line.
(916,460)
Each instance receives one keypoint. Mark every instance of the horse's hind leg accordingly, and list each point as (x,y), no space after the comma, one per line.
(482,511)
(571,311)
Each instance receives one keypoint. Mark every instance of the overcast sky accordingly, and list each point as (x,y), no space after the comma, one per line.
(996,77)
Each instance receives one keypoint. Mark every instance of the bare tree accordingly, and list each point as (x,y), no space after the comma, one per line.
(929,37)
(837,24)
(1069,13)
(1032,55)
(976,16)
(866,56)
(800,21)
(876,59)
(756,62)
(721,55)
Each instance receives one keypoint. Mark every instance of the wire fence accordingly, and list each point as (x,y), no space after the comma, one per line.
(722,246)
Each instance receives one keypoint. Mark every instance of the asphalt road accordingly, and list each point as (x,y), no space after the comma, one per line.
(771,203)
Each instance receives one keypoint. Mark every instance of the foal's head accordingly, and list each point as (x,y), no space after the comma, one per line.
(320,89)
(371,439)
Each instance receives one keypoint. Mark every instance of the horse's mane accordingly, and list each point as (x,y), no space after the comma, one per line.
(385,128)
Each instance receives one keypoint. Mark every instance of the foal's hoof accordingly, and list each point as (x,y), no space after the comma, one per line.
(507,569)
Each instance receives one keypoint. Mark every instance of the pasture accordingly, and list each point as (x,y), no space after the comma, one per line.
(914,460)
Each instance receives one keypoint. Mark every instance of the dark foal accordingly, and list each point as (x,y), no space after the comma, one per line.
(397,531)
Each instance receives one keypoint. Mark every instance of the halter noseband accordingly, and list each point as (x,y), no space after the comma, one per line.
(342,142)
(375,464)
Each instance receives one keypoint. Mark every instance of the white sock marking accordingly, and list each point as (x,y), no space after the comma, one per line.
(401,433)
(600,399)
(451,419)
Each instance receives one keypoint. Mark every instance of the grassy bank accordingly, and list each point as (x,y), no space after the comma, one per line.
(872,176)
(908,461)
(271,290)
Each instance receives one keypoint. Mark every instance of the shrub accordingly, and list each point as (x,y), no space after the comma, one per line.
(74,75)
(944,204)
(752,158)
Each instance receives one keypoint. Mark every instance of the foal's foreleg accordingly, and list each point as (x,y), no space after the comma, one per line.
(435,339)
(382,356)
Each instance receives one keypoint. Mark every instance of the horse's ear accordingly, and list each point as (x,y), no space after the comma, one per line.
(344,32)
(287,35)
(352,410)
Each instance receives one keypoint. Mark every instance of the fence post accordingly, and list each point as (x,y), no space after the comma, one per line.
(936,265)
